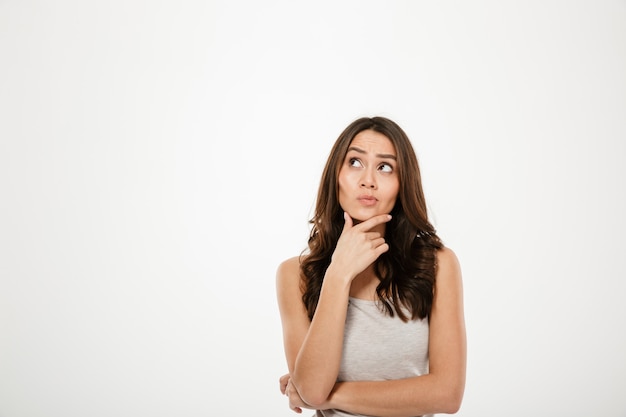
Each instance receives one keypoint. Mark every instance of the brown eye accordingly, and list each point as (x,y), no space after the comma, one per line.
(385,168)
(354,162)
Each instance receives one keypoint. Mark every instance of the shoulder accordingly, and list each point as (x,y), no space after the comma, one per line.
(288,273)
(446,258)
(289,267)
(448,267)
(447,309)
(289,291)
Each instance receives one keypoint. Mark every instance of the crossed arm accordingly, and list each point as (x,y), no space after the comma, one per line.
(313,349)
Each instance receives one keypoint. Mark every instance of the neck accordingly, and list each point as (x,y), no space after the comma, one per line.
(380,228)
(364,285)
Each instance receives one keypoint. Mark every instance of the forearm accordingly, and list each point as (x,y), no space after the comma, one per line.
(319,358)
(428,394)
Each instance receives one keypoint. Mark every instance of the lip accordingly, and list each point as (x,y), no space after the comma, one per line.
(367,200)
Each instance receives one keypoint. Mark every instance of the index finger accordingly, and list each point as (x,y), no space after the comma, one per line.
(284,380)
(373,221)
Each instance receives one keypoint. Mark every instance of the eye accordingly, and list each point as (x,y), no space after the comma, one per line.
(354,162)
(385,167)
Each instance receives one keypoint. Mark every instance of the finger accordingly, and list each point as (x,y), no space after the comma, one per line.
(372,235)
(379,247)
(283,383)
(295,408)
(348,221)
(374,221)
(284,379)
(382,249)
(376,243)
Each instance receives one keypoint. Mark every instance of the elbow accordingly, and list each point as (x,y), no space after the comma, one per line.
(451,408)
(316,402)
(451,401)
(313,394)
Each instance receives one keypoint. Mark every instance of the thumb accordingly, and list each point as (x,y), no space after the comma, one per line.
(348,224)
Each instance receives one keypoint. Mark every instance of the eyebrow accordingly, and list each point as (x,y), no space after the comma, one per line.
(379,155)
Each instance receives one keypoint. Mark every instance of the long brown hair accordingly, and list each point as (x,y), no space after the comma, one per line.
(407,270)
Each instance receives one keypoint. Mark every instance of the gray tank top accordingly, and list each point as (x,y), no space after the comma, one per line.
(379,347)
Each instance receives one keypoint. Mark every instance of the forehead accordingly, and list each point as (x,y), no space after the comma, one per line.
(373,142)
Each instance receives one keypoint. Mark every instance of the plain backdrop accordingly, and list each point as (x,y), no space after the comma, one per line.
(158,159)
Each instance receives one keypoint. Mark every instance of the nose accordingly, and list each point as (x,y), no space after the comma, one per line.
(367,180)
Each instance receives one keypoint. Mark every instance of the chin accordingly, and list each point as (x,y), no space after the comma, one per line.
(361,217)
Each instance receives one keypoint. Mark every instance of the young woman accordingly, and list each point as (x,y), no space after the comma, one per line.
(372,312)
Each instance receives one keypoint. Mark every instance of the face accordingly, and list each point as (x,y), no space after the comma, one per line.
(368,178)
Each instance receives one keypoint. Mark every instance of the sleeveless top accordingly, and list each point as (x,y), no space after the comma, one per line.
(379,347)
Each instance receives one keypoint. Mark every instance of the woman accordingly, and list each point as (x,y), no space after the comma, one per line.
(372,313)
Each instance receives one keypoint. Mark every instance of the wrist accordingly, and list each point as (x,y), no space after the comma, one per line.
(336,273)
(333,400)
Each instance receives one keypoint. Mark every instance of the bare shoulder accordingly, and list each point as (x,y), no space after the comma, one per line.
(447,317)
(448,266)
(289,295)
(288,274)
(447,258)
(289,265)
(288,268)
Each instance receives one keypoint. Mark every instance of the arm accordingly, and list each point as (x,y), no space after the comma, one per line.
(296,325)
(441,390)
(313,348)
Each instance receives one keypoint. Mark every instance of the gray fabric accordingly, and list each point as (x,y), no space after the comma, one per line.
(379,347)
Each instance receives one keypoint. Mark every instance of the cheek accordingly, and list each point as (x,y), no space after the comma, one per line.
(392,187)
(341,187)
(343,181)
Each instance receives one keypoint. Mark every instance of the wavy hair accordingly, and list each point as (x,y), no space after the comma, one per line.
(407,270)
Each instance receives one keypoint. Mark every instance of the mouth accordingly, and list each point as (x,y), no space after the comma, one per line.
(367,200)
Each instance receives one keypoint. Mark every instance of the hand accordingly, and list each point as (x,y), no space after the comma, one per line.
(283,383)
(287,388)
(358,247)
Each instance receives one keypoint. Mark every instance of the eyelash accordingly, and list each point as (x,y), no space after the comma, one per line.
(351,162)
(390,167)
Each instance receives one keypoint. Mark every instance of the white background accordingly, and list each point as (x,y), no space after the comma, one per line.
(158,159)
